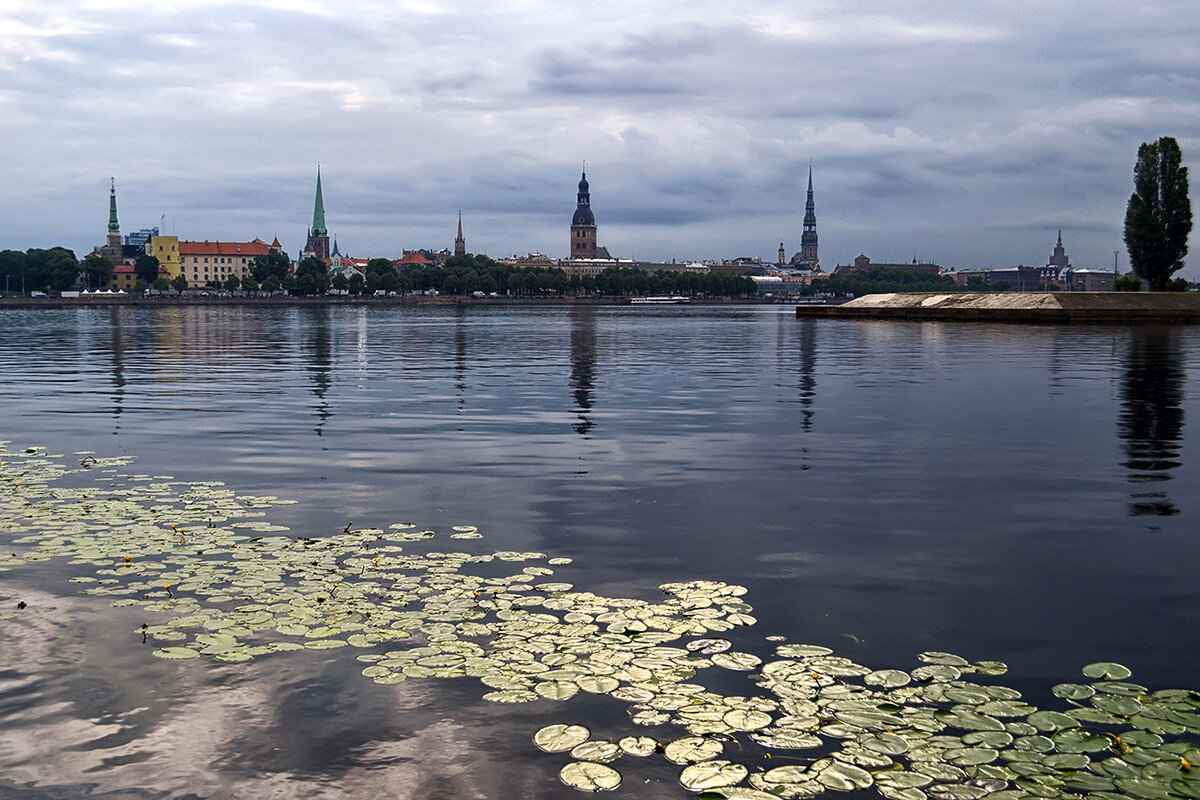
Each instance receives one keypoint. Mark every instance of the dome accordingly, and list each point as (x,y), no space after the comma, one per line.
(583,184)
(583,216)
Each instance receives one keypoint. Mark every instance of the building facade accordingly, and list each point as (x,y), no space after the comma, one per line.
(583,223)
(166,250)
(1013,279)
(212,263)
(862,262)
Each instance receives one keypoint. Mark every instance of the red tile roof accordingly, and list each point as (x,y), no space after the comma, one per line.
(255,248)
(414,258)
(122,268)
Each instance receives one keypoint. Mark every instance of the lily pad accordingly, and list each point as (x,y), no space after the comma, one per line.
(589,776)
(598,751)
(560,738)
(712,775)
(692,749)
(1107,670)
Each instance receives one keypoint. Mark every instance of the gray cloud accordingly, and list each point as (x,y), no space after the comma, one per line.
(966,132)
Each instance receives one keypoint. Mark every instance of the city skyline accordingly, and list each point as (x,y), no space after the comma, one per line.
(698,124)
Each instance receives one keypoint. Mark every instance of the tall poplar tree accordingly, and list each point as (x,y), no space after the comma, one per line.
(1159,216)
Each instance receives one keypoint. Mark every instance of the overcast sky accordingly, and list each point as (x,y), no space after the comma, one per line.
(963,133)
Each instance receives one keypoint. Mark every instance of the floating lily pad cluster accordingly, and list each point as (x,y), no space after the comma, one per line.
(925,733)
(230,585)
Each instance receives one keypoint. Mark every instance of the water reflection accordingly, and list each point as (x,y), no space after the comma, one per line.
(317,346)
(583,365)
(808,377)
(460,359)
(1150,423)
(117,343)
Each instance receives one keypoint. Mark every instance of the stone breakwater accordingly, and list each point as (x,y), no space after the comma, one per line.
(1046,307)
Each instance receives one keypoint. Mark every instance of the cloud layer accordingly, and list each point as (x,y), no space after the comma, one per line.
(967,134)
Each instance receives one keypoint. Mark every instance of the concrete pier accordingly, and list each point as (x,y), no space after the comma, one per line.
(1044,307)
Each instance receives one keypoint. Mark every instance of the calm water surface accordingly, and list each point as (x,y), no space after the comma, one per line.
(1023,494)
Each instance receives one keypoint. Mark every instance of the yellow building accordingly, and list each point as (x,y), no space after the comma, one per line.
(166,250)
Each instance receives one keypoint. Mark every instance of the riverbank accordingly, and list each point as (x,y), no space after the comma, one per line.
(343,300)
(1039,307)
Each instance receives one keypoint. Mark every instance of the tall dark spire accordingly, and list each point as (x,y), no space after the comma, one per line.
(318,226)
(113,225)
(460,244)
(808,239)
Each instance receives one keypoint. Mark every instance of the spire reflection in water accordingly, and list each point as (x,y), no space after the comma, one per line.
(583,365)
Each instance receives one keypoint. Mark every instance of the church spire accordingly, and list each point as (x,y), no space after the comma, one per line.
(808,239)
(318,226)
(460,244)
(113,225)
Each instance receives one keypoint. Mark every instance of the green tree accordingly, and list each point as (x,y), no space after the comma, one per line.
(249,284)
(356,284)
(146,269)
(1158,218)
(311,276)
(179,283)
(52,270)
(271,284)
(273,264)
(380,265)
(98,271)
(339,282)
(1128,283)
(12,268)
(233,283)
(161,284)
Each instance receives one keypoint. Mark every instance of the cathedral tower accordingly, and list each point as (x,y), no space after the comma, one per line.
(318,234)
(583,224)
(807,257)
(460,244)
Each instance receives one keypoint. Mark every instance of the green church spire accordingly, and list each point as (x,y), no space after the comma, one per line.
(318,226)
(113,226)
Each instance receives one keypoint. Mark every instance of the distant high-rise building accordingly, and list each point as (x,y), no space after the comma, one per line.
(318,234)
(807,257)
(460,244)
(1059,259)
(583,224)
(1059,264)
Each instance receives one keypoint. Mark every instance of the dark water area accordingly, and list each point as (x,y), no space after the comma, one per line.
(1017,493)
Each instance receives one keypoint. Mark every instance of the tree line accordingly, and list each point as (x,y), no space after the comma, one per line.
(467,274)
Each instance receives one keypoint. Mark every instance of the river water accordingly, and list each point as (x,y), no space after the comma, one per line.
(1016,493)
